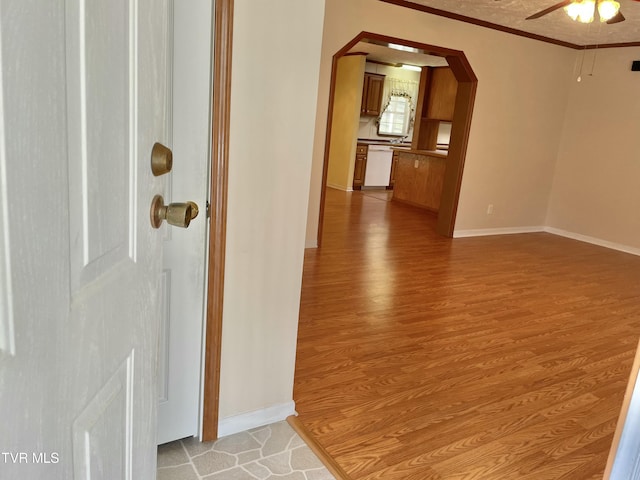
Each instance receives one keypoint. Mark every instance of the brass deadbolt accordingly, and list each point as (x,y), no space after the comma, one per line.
(161,159)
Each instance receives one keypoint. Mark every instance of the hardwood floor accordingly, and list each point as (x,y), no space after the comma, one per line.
(421,357)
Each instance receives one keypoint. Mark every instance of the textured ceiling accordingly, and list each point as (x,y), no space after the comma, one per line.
(556,25)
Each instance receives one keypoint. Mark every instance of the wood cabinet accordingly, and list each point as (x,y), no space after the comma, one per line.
(372,94)
(419,180)
(436,103)
(442,94)
(392,176)
(360,166)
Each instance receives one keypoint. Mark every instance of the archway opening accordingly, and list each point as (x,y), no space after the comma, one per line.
(460,121)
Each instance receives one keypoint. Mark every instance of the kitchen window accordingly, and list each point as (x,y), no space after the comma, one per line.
(394,120)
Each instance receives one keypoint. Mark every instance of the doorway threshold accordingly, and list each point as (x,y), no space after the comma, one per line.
(264,453)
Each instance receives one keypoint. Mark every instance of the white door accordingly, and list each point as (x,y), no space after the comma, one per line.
(184,260)
(83,99)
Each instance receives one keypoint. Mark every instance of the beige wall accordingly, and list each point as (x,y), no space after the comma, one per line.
(596,188)
(521,99)
(273,104)
(346,115)
(523,90)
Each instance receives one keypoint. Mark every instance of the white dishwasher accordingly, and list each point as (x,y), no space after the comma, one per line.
(378,171)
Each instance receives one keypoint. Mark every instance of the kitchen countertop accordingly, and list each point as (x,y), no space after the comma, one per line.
(404,147)
(382,142)
(431,153)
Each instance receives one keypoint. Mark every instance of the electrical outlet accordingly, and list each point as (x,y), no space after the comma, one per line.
(490,209)
(416,163)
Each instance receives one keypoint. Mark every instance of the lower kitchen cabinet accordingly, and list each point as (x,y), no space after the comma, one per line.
(360,166)
(419,180)
(392,176)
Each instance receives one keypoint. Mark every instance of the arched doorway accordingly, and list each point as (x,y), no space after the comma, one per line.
(461,123)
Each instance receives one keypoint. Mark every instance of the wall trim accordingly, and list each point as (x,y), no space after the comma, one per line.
(483,232)
(593,240)
(257,418)
(220,127)
(339,187)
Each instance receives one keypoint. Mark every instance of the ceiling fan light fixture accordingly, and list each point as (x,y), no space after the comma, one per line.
(608,9)
(582,10)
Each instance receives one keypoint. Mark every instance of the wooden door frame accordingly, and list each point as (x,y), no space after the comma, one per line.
(220,115)
(461,125)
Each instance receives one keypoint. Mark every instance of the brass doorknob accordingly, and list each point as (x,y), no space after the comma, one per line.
(176,214)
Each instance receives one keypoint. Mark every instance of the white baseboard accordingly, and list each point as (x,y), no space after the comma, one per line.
(258,418)
(339,187)
(593,240)
(483,232)
(312,244)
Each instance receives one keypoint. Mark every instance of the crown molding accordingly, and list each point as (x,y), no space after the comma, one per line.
(502,28)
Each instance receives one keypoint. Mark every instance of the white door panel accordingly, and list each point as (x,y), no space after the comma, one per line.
(184,259)
(83,101)
(7,333)
(101,177)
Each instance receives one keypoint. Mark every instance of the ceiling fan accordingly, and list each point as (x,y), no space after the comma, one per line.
(586,10)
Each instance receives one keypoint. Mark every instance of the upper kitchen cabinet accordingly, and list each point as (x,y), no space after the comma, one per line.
(436,104)
(372,94)
(442,94)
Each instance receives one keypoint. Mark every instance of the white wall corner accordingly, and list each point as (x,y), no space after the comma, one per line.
(483,232)
(258,418)
(593,240)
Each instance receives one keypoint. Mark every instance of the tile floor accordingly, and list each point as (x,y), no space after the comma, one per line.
(265,453)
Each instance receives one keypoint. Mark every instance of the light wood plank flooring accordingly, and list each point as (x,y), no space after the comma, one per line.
(421,357)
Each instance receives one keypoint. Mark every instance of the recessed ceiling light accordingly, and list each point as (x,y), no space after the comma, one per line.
(403,48)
